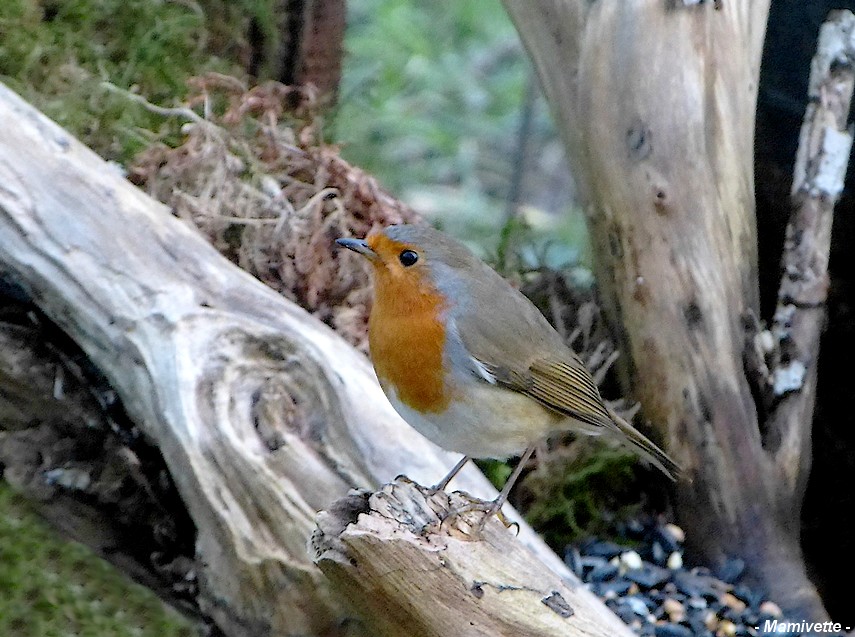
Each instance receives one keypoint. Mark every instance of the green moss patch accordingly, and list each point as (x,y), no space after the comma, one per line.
(50,587)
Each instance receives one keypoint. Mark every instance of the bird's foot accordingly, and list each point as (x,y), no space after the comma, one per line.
(487,508)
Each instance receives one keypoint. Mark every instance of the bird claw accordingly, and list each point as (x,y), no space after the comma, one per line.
(507,522)
(488,508)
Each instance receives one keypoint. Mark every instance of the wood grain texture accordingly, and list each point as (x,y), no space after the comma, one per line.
(402,556)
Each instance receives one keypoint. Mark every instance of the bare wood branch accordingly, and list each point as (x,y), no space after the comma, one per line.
(825,143)
(400,554)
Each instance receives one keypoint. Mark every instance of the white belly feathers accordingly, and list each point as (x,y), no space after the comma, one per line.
(483,422)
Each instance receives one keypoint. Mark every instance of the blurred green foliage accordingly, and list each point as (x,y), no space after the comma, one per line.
(426,90)
(431,103)
(50,587)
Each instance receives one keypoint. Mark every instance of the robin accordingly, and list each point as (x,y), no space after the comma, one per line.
(470,362)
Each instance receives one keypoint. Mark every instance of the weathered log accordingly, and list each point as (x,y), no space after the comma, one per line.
(404,556)
(656,105)
(262,414)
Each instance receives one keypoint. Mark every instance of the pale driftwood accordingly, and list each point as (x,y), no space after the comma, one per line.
(403,556)
(262,414)
(655,101)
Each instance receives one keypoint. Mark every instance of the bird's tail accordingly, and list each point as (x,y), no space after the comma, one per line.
(641,445)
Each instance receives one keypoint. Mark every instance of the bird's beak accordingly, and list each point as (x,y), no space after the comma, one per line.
(359,246)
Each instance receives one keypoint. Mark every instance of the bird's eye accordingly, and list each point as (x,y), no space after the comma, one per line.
(408,258)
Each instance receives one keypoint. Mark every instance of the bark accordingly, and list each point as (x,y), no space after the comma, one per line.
(304,45)
(426,572)
(259,414)
(821,162)
(656,102)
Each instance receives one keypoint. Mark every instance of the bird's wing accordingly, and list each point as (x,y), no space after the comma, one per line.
(564,386)
(567,387)
(510,339)
(526,355)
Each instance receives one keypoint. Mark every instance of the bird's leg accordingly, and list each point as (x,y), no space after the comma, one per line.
(496,505)
(440,486)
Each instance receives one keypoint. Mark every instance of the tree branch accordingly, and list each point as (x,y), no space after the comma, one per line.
(820,168)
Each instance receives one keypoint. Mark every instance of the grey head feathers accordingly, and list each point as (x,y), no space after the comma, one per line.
(436,246)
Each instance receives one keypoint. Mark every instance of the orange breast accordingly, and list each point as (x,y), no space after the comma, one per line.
(407,337)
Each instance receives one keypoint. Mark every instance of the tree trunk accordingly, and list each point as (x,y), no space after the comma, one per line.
(262,415)
(302,45)
(656,104)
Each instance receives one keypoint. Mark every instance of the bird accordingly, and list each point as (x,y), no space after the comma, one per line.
(470,363)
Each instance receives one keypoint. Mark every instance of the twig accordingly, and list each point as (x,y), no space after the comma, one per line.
(187,113)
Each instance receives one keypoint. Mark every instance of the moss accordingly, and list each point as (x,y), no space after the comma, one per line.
(58,54)
(497,471)
(583,493)
(52,587)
